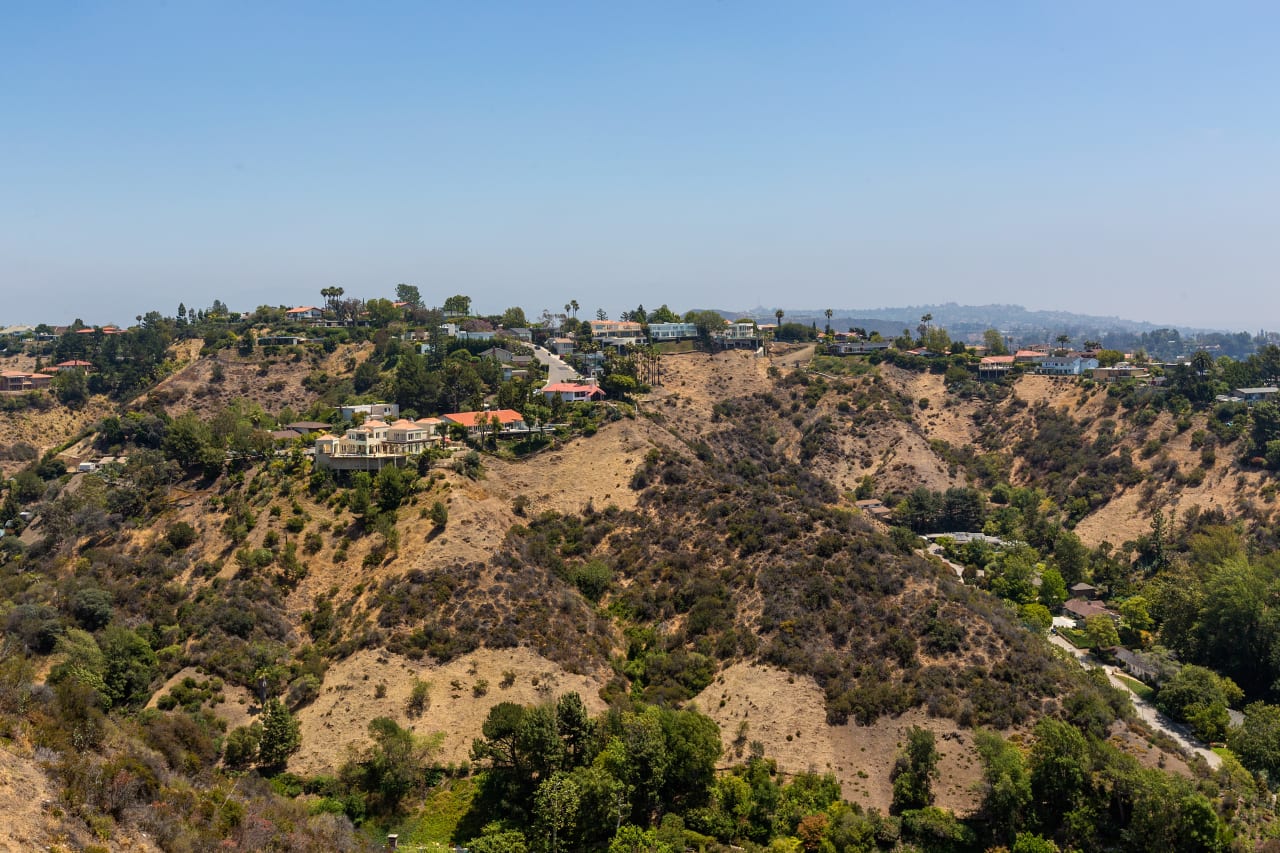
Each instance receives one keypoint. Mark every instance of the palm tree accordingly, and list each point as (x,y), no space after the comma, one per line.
(777,314)
(1063,340)
(828,312)
(1202,362)
(1092,346)
(573,303)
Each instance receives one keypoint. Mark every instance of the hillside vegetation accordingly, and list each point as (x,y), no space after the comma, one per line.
(594,643)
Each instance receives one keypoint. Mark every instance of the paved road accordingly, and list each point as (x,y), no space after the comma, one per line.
(557,370)
(1148,712)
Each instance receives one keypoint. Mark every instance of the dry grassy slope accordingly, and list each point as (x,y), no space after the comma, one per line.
(338,720)
(191,388)
(31,817)
(45,430)
(785,713)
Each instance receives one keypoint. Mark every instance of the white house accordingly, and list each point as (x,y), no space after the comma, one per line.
(303,312)
(1071,364)
(561,346)
(672,331)
(371,410)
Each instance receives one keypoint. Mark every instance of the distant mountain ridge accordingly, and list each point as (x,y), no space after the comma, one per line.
(1008,318)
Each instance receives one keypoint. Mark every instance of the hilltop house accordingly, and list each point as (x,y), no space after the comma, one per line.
(1121,370)
(370,410)
(1028,356)
(572,392)
(994,366)
(16,380)
(739,334)
(1071,364)
(561,346)
(1256,395)
(672,331)
(509,421)
(375,444)
(850,347)
(304,313)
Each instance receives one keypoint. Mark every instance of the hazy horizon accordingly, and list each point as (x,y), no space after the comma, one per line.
(1103,160)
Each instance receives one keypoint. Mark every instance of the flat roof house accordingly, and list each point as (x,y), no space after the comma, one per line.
(1256,395)
(672,331)
(624,330)
(371,410)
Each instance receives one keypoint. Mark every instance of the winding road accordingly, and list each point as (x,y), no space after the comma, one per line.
(1146,711)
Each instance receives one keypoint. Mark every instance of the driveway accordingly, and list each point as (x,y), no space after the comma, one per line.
(1146,711)
(557,370)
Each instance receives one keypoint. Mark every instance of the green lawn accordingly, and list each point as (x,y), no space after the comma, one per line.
(433,823)
(1076,637)
(1139,689)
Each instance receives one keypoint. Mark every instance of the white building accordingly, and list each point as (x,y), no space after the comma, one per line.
(672,331)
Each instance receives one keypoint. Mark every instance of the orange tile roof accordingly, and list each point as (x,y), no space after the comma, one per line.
(469,419)
(572,386)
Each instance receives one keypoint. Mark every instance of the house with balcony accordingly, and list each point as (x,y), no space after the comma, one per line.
(1071,364)
(615,331)
(659,332)
(994,366)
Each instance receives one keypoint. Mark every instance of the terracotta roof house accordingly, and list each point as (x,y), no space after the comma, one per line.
(572,392)
(509,420)
(16,380)
(303,312)
(1024,356)
(994,366)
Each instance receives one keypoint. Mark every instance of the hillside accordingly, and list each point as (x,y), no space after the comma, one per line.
(699,549)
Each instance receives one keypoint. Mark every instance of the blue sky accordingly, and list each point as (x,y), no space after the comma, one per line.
(1109,158)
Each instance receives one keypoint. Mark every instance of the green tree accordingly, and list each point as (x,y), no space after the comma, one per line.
(458,305)
(914,772)
(130,665)
(1200,696)
(382,312)
(439,514)
(409,294)
(1102,631)
(1059,767)
(241,747)
(1256,741)
(392,766)
(994,342)
(513,318)
(1053,589)
(556,809)
(1006,786)
(281,736)
(1136,613)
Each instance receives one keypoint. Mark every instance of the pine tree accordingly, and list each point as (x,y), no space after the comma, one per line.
(280,735)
